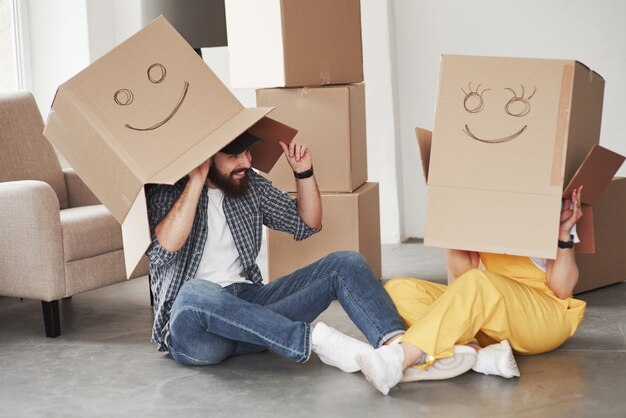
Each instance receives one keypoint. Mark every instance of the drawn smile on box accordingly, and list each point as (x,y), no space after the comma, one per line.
(517,106)
(469,133)
(156,74)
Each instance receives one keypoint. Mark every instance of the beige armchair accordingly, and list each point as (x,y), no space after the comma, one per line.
(56,239)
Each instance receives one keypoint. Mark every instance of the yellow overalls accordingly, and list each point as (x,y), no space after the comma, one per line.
(508,299)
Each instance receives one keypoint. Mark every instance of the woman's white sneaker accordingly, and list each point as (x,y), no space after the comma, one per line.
(498,360)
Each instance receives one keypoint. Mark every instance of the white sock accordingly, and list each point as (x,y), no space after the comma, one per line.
(382,367)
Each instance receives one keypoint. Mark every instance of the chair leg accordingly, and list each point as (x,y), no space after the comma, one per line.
(51,318)
(150,290)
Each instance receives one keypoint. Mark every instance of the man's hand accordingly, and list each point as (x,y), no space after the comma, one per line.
(309,201)
(298,156)
(174,229)
(569,216)
(200,172)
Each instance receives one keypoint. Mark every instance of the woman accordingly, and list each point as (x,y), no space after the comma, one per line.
(512,302)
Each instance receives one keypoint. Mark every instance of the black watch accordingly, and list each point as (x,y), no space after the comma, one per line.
(305,174)
(567,244)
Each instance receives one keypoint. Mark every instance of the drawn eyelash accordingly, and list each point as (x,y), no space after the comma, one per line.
(472,95)
(516,99)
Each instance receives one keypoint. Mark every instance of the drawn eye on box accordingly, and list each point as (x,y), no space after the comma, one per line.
(156,73)
(518,106)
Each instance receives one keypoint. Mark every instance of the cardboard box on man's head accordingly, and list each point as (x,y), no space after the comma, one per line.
(510,135)
(149,111)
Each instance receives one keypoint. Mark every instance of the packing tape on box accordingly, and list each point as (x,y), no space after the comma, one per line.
(558,156)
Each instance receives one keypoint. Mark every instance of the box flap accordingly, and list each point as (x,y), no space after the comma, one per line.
(595,173)
(424,141)
(266,154)
(135,233)
(585,117)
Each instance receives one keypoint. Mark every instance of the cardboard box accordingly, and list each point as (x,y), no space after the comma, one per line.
(331,122)
(150,111)
(607,265)
(509,135)
(287,43)
(351,221)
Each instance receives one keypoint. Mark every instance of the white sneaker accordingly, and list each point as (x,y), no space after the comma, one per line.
(462,361)
(382,367)
(497,359)
(337,349)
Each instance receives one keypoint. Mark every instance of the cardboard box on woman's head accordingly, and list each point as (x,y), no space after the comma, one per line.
(512,136)
(149,111)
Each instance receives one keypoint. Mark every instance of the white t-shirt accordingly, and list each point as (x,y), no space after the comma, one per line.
(542,263)
(220,262)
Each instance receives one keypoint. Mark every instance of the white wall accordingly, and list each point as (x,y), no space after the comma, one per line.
(591,32)
(58,45)
(381,110)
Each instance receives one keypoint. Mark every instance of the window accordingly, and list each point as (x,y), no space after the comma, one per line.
(11,55)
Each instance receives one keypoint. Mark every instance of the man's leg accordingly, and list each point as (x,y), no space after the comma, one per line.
(344,275)
(207,323)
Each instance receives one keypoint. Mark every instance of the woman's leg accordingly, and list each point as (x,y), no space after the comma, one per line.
(501,308)
(413,297)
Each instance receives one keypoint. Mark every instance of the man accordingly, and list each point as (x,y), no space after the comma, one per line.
(209,301)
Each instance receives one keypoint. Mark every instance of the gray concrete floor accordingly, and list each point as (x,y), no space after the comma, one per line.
(103,364)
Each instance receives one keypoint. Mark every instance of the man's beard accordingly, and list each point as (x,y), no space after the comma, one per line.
(226,183)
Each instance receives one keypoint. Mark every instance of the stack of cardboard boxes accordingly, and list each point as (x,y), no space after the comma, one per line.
(305,57)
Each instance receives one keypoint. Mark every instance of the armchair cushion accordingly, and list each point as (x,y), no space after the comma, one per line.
(89,231)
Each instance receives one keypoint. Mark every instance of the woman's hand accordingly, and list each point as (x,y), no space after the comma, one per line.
(562,273)
(460,261)
(570,214)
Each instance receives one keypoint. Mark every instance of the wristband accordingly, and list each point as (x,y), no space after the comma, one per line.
(304,175)
(567,244)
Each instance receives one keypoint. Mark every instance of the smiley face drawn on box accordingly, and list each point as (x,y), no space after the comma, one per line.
(497,122)
(518,106)
(155,74)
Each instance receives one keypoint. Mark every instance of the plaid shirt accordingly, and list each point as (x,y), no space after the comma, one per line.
(262,204)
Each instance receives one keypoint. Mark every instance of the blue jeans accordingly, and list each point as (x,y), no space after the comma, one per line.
(209,324)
